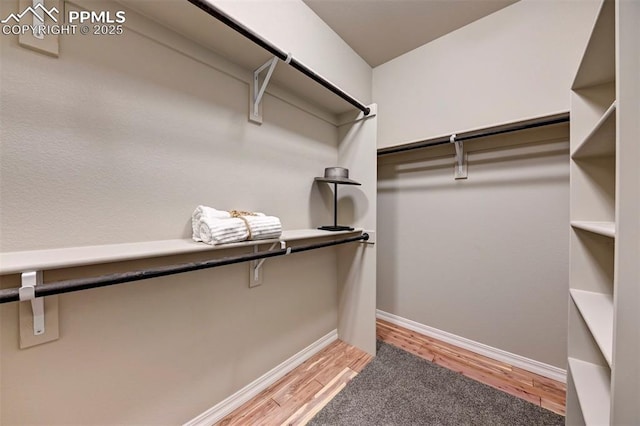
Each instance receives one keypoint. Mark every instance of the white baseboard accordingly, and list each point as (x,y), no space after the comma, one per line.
(226,407)
(519,361)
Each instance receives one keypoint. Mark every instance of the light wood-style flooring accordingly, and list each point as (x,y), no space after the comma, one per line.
(301,394)
(298,396)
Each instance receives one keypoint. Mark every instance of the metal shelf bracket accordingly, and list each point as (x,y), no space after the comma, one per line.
(255,266)
(460,171)
(27,293)
(257,90)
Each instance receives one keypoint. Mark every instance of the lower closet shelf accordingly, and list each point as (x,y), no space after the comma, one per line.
(33,260)
(597,311)
(592,383)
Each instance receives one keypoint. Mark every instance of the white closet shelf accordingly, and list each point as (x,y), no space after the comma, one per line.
(36,260)
(601,140)
(592,384)
(608,229)
(597,311)
(196,25)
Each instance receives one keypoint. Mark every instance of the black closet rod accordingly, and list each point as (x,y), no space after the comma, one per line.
(474,134)
(67,286)
(257,39)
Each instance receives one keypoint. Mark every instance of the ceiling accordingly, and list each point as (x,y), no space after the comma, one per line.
(380,30)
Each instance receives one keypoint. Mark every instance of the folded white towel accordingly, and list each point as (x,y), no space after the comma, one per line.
(220,231)
(264,227)
(214,227)
(204,212)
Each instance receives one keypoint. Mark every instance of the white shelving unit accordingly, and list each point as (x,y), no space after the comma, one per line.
(603,337)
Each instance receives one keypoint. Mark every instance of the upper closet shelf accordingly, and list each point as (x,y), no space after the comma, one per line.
(608,229)
(601,140)
(592,384)
(36,260)
(598,62)
(197,22)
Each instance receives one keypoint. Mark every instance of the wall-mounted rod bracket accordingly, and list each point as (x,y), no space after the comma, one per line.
(460,171)
(255,266)
(257,89)
(27,293)
(372,237)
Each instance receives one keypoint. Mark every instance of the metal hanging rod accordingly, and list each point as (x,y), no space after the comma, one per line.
(474,134)
(287,58)
(67,286)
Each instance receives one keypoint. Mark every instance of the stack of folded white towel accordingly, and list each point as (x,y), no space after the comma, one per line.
(214,227)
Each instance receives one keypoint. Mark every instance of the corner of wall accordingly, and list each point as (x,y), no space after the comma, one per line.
(357,265)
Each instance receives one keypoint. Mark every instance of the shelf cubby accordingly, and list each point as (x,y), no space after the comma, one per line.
(592,262)
(592,385)
(581,342)
(598,64)
(593,189)
(591,109)
(596,310)
(601,139)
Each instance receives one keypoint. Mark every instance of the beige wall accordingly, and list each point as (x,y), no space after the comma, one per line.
(117,141)
(484,258)
(515,64)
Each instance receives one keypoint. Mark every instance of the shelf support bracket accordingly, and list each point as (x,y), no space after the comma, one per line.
(460,171)
(27,293)
(257,90)
(255,266)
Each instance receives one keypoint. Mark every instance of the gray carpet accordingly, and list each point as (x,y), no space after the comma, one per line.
(398,388)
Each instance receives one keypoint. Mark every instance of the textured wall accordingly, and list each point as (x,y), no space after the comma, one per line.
(484,258)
